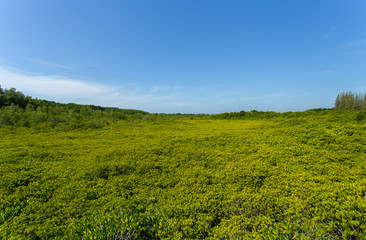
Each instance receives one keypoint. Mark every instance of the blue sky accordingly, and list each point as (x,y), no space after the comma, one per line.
(188,56)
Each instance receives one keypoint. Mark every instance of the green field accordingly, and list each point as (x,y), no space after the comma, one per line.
(286,176)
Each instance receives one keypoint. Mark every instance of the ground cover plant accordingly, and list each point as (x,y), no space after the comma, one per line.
(247,175)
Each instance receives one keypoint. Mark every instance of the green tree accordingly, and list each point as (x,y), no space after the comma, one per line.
(10,115)
(350,100)
(12,96)
(337,102)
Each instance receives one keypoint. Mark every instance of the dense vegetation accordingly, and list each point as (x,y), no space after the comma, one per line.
(246,175)
(350,100)
(21,111)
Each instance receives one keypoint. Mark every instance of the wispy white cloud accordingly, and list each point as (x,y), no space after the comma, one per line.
(353,47)
(273,97)
(328,34)
(229,101)
(168,99)
(63,89)
(270,96)
(262,98)
(184,104)
(358,43)
(48,64)
(51,85)
(230,93)
(164,88)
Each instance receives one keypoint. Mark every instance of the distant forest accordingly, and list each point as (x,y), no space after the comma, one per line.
(19,110)
(16,109)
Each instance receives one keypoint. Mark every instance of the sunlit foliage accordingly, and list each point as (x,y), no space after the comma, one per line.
(252,176)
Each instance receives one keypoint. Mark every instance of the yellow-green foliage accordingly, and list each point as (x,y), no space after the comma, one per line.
(299,176)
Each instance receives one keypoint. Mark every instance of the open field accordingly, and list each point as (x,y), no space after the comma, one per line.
(299,176)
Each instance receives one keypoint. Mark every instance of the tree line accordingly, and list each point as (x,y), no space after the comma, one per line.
(16,109)
(350,100)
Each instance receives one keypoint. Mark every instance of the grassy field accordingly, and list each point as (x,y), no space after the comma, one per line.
(294,176)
